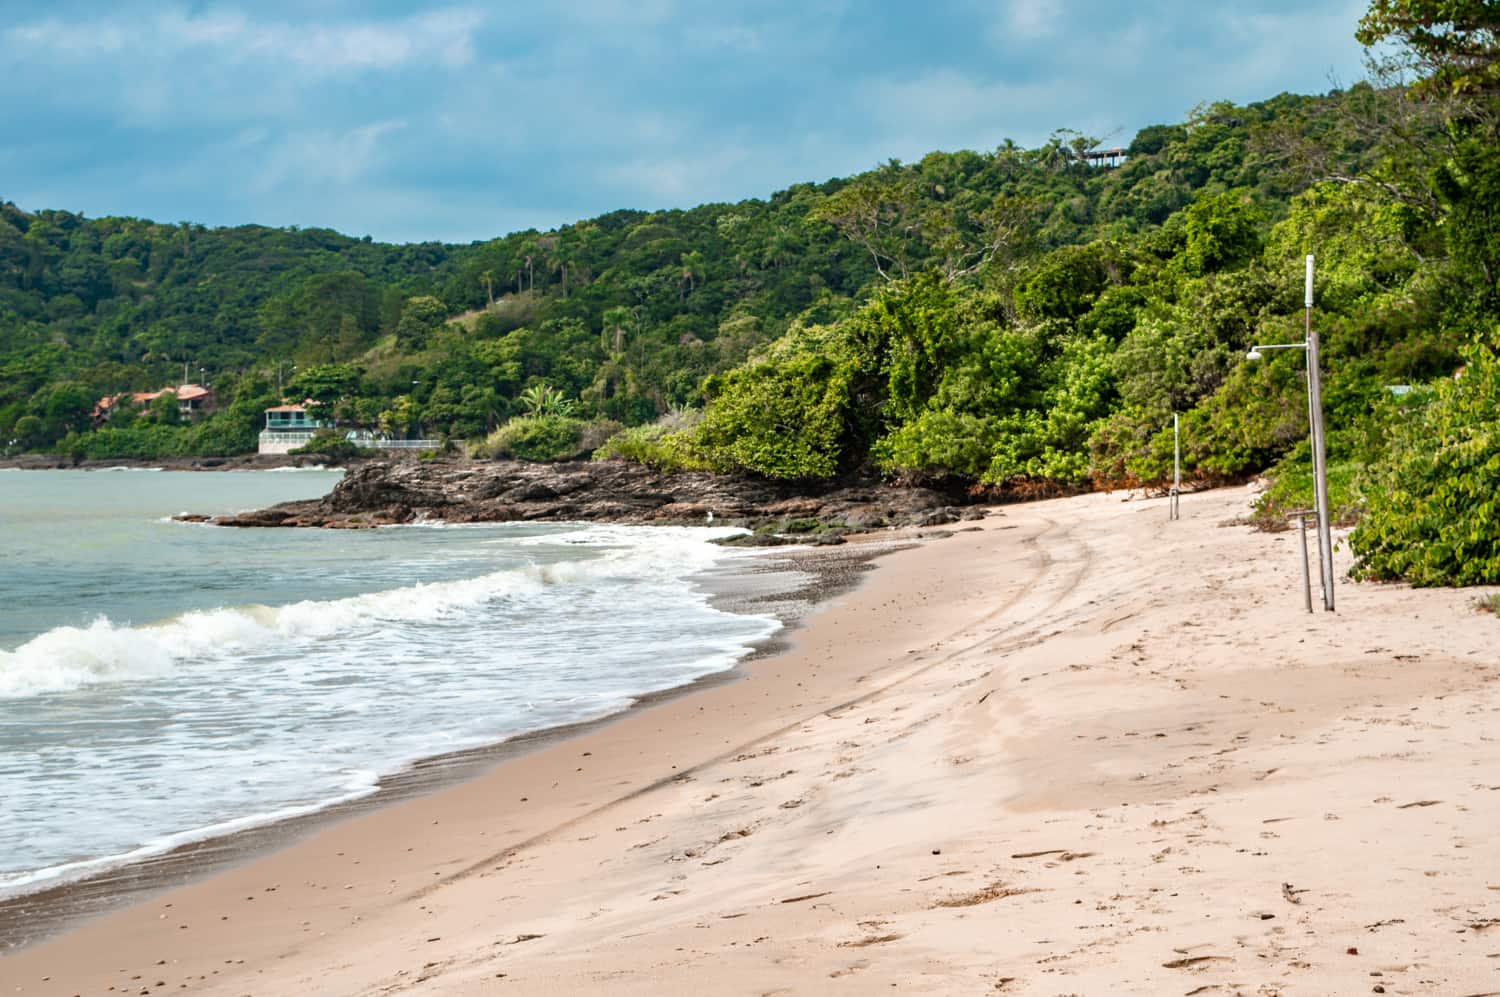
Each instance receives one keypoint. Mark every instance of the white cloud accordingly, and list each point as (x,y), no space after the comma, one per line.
(1033,19)
(738,37)
(315,158)
(679,178)
(947,109)
(445,36)
(595,14)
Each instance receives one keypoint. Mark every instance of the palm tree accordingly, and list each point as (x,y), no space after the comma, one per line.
(692,270)
(543,399)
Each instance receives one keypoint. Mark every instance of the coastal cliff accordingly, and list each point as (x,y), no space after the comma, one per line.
(387,493)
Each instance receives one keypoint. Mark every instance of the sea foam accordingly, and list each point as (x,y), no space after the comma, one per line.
(74,657)
(126,736)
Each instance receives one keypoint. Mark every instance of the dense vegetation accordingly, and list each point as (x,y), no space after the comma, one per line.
(1019,320)
(625,314)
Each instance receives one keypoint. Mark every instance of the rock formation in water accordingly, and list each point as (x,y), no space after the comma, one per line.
(380,494)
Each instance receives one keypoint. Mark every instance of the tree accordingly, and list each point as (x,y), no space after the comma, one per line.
(879,212)
(1222,231)
(68,406)
(28,431)
(692,271)
(617,322)
(1454,43)
(324,386)
(420,318)
(164,410)
(543,399)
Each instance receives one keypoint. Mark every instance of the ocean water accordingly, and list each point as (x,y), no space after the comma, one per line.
(162,682)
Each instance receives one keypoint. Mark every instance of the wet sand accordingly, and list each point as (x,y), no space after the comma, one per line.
(1079,749)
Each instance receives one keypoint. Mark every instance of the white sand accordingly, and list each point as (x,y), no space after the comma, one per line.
(1080,751)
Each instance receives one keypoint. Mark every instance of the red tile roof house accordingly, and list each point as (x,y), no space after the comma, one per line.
(193,400)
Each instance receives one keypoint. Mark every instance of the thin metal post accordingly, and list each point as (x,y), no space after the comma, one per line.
(1176,469)
(1320,462)
(1306,574)
(1312,443)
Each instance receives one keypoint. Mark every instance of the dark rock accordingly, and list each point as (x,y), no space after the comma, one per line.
(386,492)
(937,517)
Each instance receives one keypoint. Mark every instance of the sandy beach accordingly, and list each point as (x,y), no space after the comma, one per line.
(1074,748)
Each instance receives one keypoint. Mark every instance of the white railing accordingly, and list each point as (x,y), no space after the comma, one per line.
(401,444)
(280,441)
(283,441)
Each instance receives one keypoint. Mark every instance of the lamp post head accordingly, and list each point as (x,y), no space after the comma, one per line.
(1253,355)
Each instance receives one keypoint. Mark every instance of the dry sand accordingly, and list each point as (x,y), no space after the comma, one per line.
(1081,750)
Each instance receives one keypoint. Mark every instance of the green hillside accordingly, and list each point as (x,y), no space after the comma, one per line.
(625,313)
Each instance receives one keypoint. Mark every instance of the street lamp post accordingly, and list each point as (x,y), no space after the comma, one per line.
(1315,431)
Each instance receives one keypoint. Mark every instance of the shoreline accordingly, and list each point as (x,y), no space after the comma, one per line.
(808,576)
(1080,749)
(242,462)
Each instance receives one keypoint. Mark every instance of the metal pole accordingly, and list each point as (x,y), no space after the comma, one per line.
(1176,469)
(1306,574)
(1320,463)
(1312,437)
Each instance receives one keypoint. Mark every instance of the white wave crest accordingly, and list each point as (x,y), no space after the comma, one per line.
(70,657)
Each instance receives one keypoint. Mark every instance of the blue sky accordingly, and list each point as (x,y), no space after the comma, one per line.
(410,121)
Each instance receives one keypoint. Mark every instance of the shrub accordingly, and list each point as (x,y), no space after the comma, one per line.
(334,445)
(1433,503)
(1292,488)
(139,442)
(787,414)
(656,446)
(596,434)
(536,438)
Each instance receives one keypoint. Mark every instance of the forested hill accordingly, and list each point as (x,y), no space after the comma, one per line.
(1014,319)
(623,314)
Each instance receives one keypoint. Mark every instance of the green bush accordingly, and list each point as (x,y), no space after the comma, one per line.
(939,443)
(334,445)
(536,438)
(1433,503)
(787,414)
(139,442)
(1292,488)
(656,446)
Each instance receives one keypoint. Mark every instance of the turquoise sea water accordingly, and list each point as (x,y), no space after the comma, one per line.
(162,681)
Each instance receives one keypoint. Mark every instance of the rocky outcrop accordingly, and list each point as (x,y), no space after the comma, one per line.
(379,494)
